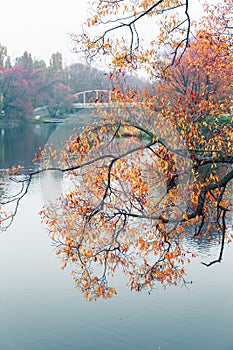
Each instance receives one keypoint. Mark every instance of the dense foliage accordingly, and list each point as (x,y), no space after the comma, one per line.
(29,84)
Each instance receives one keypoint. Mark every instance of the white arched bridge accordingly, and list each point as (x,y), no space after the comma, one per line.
(97,98)
(90,98)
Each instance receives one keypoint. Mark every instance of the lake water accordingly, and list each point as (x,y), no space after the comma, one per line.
(40,309)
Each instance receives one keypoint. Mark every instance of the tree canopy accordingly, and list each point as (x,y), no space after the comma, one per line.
(29,84)
(156,169)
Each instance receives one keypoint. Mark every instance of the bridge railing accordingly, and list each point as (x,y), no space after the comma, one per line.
(90,98)
(100,98)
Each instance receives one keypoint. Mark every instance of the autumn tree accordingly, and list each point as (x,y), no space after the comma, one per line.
(204,73)
(8,63)
(3,55)
(25,61)
(16,90)
(56,62)
(143,177)
(82,77)
(197,89)
(59,100)
(39,64)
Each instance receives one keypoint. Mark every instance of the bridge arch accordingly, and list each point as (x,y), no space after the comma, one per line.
(90,98)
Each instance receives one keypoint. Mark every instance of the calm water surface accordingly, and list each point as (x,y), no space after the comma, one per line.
(41,310)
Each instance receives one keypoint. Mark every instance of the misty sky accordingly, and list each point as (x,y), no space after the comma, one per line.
(41,27)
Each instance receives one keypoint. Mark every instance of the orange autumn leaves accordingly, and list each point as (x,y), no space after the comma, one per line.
(114,29)
(113,180)
(123,209)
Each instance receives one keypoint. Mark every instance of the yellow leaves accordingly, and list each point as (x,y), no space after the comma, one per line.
(13,170)
(94,20)
(194,198)
(185,217)
(36,157)
(53,236)
(107,46)
(181,229)
(97,229)
(64,266)
(143,245)
(93,288)
(170,256)
(88,253)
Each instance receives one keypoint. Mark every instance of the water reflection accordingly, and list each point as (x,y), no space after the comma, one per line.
(119,250)
(19,143)
(41,310)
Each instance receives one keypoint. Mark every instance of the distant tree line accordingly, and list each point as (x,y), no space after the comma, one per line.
(29,83)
